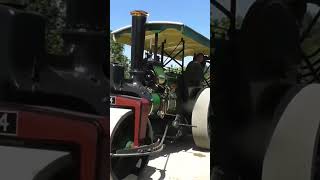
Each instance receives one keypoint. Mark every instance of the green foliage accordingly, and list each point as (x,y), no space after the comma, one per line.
(174,69)
(312,42)
(117,56)
(54,12)
(221,26)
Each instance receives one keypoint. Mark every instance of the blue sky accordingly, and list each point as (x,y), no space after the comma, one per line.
(194,13)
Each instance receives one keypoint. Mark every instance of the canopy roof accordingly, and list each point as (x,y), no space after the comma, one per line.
(172,32)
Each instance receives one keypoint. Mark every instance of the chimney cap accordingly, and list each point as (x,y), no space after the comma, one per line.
(139,13)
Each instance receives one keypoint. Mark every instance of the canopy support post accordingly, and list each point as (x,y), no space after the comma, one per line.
(162,51)
(233,7)
(156,47)
(183,43)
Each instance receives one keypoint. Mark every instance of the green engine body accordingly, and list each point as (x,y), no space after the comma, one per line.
(163,91)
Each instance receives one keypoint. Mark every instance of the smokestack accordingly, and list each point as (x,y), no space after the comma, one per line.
(137,43)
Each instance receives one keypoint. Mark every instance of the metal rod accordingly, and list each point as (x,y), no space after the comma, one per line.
(173,51)
(205,71)
(208,84)
(186,125)
(168,56)
(310,73)
(222,9)
(173,58)
(315,63)
(233,7)
(160,146)
(183,44)
(164,134)
(137,154)
(162,51)
(156,47)
(306,60)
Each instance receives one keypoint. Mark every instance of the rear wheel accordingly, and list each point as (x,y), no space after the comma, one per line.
(293,149)
(200,119)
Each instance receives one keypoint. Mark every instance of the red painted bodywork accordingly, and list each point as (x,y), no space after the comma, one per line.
(141,108)
(53,125)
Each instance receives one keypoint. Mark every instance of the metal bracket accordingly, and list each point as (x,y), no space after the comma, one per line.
(142,150)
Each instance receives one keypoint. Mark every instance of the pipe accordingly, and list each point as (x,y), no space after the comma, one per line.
(137,44)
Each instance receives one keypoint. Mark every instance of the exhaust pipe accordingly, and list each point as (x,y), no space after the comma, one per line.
(137,44)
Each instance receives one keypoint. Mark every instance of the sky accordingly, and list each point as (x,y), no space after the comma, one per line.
(194,13)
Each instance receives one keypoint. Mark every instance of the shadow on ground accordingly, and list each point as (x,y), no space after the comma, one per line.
(184,144)
(181,145)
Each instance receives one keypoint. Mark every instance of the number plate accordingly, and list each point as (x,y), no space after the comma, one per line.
(8,123)
(112,100)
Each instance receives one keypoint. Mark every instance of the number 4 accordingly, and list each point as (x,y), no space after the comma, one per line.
(3,122)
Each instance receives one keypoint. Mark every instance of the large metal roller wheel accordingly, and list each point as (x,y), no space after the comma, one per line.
(124,166)
(200,119)
(292,151)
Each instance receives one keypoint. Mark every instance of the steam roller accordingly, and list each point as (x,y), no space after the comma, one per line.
(144,108)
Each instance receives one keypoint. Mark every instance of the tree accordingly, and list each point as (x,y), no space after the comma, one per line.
(55,14)
(221,26)
(117,56)
(312,42)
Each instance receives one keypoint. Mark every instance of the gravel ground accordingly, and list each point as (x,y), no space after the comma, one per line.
(181,160)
